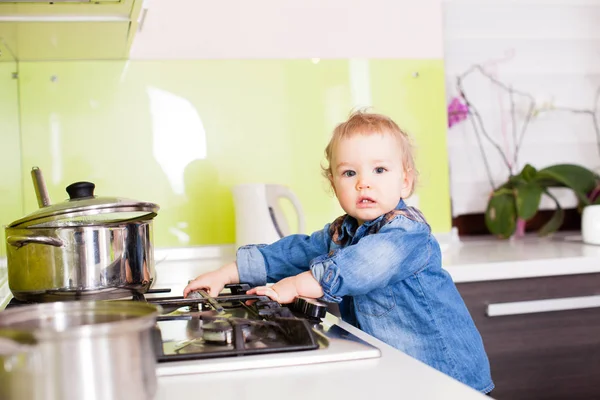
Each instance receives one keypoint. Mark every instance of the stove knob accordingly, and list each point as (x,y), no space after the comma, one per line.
(238,288)
(310,307)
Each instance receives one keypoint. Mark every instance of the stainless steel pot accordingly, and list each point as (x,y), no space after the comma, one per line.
(18,365)
(87,247)
(80,350)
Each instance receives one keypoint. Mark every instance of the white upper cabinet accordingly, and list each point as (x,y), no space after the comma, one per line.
(196,29)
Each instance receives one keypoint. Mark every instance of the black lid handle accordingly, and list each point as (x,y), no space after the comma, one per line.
(80,190)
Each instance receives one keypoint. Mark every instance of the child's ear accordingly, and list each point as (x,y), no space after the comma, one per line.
(407,184)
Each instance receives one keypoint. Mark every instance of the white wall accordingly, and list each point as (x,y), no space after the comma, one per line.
(550,49)
(192,29)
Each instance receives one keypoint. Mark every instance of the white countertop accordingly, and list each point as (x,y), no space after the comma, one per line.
(484,259)
(394,374)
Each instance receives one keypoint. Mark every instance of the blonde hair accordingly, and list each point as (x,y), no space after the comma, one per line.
(366,123)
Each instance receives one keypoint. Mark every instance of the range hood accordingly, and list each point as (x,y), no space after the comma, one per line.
(34,30)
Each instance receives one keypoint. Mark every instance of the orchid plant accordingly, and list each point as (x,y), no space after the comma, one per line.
(514,202)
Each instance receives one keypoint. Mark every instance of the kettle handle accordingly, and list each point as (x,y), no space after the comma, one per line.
(284,191)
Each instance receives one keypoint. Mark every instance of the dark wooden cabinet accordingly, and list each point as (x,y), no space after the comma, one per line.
(540,355)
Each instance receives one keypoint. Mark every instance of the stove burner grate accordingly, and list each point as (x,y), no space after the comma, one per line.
(233,324)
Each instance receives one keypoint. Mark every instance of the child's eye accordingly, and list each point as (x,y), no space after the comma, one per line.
(348,173)
(380,170)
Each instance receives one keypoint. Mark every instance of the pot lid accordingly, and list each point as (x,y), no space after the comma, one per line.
(83,208)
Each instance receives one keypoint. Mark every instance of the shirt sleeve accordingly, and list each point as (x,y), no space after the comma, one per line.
(289,256)
(397,251)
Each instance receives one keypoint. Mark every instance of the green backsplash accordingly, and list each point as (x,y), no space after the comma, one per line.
(182,133)
(11,193)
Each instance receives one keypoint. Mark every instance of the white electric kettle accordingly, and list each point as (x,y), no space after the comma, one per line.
(259,218)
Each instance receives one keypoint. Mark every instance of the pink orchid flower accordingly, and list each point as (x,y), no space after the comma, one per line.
(457,111)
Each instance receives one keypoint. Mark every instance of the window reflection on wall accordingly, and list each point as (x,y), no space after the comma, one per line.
(178,135)
(55,148)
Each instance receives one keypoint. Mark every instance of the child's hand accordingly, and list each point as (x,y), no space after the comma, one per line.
(213,282)
(282,292)
(288,289)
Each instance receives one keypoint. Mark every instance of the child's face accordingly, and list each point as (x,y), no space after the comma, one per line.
(367,175)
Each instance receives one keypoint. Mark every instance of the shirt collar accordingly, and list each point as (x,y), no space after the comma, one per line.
(350,224)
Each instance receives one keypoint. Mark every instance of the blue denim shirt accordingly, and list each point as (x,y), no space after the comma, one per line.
(389,281)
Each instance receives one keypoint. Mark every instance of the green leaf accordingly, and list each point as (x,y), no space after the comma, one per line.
(528,200)
(504,190)
(515,180)
(519,196)
(581,180)
(528,173)
(501,214)
(555,221)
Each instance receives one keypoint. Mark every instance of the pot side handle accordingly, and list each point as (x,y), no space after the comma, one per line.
(20,241)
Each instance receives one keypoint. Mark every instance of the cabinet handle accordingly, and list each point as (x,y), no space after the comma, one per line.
(546,305)
(142,19)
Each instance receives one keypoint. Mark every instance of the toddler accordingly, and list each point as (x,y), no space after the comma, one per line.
(379,261)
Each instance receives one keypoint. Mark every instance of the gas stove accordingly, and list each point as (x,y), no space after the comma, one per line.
(236,331)
(232,324)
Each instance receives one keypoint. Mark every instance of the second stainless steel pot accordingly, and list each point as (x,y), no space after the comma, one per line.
(102,350)
(18,365)
(87,247)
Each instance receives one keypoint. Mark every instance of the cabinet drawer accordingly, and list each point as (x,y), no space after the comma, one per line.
(551,287)
(540,355)
(532,295)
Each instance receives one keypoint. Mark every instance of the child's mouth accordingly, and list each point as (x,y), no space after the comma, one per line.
(365,201)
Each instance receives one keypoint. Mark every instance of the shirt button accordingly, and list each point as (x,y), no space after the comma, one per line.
(328,277)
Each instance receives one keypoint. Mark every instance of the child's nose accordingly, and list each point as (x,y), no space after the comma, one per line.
(362,184)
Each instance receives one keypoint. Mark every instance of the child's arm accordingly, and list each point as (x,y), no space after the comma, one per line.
(214,281)
(257,265)
(287,257)
(288,289)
